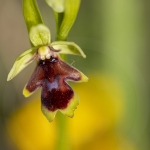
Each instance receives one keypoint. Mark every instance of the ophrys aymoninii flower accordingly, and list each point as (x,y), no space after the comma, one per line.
(51,72)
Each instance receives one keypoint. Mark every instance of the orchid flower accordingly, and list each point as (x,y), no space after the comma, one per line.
(51,72)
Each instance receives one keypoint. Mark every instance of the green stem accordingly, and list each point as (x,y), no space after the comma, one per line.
(62,141)
(31,14)
(64,22)
(59,19)
(32,18)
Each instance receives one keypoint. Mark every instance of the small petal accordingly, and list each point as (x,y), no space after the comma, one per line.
(40,35)
(84,78)
(21,62)
(68,48)
(56,5)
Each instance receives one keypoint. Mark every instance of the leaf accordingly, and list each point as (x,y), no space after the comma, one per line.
(69,17)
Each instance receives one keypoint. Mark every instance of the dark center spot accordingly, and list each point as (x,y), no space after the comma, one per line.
(46,61)
(56,99)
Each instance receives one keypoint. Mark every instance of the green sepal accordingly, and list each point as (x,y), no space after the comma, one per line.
(31,14)
(56,5)
(40,35)
(21,62)
(67,48)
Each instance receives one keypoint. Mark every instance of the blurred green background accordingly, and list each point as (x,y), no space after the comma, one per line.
(114,105)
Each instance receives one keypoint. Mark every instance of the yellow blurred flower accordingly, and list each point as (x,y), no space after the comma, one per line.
(92,128)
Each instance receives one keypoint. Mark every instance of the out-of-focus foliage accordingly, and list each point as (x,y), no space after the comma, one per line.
(93,126)
(114,105)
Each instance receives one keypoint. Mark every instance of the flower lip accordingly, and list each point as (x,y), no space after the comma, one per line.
(52,74)
(54,98)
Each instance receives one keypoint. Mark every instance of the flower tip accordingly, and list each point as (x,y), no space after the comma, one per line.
(48,114)
(84,78)
(10,75)
(69,111)
(9,78)
(84,56)
(26,93)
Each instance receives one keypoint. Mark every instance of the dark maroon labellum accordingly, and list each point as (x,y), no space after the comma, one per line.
(54,98)
(51,74)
